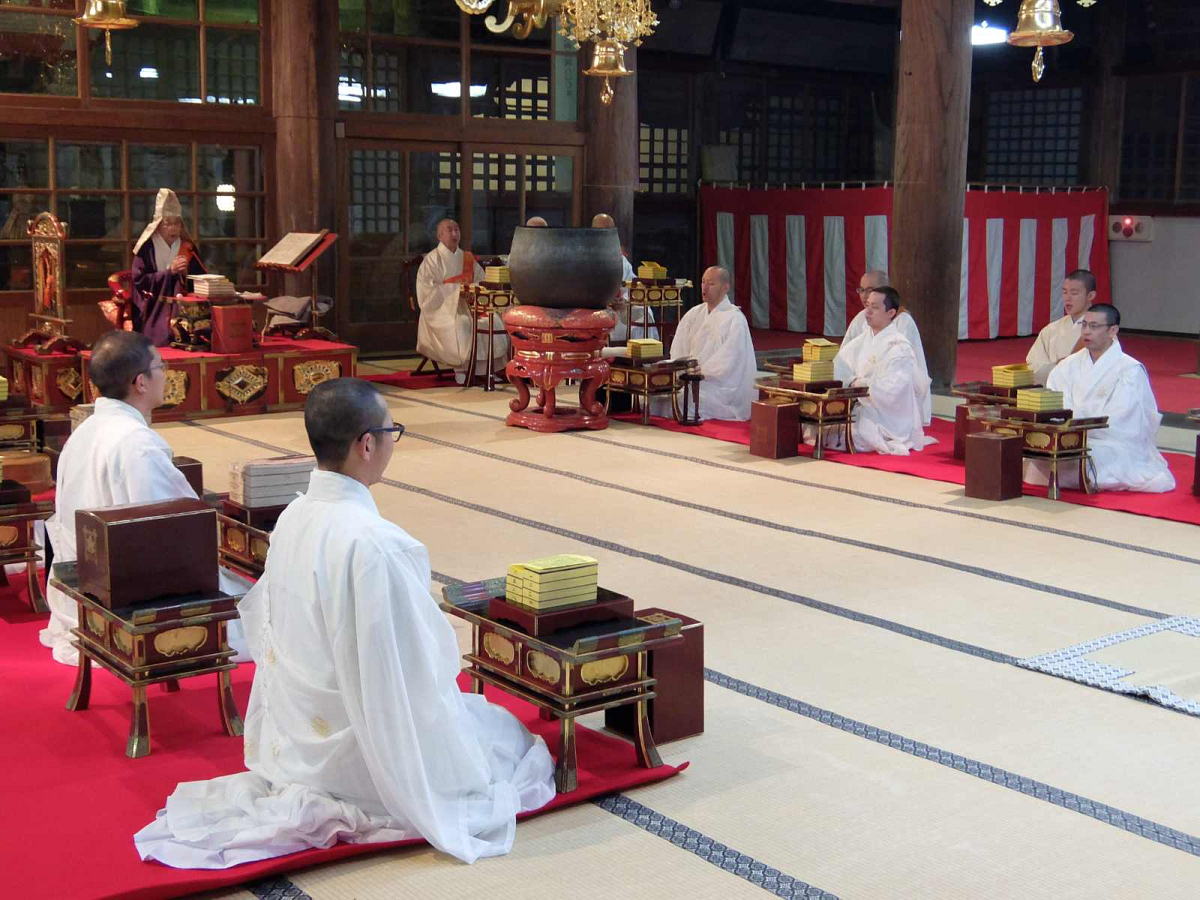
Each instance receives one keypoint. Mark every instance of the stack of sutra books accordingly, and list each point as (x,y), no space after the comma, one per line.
(552,582)
(269,482)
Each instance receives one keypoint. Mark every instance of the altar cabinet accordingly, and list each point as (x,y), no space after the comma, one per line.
(889,418)
(716,335)
(356,729)
(115,458)
(162,258)
(1101,380)
(1062,337)
(444,329)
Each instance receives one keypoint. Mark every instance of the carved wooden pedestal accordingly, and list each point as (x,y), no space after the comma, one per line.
(550,346)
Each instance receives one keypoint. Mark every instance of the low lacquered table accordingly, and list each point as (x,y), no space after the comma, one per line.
(568,674)
(1055,441)
(826,405)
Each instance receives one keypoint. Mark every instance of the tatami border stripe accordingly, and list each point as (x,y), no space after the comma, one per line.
(277,888)
(731,580)
(405,395)
(806,532)
(718,854)
(1102,812)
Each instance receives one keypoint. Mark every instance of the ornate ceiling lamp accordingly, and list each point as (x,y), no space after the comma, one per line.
(1039,24)
(108,15)
(611,24)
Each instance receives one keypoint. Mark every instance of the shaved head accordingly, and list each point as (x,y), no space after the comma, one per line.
(337,413)
(603,220)
(537,222)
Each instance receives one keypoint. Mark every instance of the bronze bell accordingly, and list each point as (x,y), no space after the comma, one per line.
(608,60)
(109,15)
(1039,24)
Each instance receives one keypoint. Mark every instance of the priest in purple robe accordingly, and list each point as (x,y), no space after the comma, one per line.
(162,258)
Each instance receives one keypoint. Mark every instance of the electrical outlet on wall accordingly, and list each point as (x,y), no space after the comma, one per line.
(1130,228)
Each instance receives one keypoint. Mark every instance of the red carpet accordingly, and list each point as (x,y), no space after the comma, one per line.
(937,463)
(411,381)
(1166,359)
(74,800)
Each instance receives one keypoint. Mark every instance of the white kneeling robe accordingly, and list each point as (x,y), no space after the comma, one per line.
(444,329)
(907,326)
(888,419)
(1124,455)
(1054,343)
(356,730)
(113,458)
(720,341)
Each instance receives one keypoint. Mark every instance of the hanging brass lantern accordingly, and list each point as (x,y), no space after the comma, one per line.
(608,61)
(1039,24)
(109,15)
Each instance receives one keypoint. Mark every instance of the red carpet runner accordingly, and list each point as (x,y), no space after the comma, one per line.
(937,463)
(74,800)
(411,381)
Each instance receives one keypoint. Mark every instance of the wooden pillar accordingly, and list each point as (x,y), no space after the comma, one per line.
(304,70)
(934,92)
(1108,97)
(612,149)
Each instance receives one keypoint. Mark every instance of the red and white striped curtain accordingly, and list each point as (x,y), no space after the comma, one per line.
(797,254)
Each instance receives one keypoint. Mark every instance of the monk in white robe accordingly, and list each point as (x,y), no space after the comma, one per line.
(1100,380)
(715,333)
(112,459)
(444,329)
(905,324)
(889,418)
(356,729)
(1062,337)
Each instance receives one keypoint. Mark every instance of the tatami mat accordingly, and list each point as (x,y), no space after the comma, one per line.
(867,595)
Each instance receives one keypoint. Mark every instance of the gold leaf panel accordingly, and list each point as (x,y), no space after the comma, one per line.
(9,535)
(835,407)
(123,641)
(96,624)
(808,407)
(1037,439)
(242,384)
(604,670)
(70,383)
(178,641)
(1069,440)
(177,387)
(307,375)
(543,667)
(499,648)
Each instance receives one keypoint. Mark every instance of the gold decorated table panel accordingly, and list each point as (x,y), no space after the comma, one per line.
(646,378)
(576,671)
(159,643)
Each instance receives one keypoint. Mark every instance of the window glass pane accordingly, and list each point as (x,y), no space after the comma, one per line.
(96,166)
(232,60)
(510,87)
(169,9)
(141,211)
(150,62)
(1189,188)
(494,202)
(408,19)
(1150,138)
(234,261)
(16,267)
(37,54)
(91,216)
(376,202)
(220,168)
(89,265)
(352,15)
(415,79)
(24,164)
(434,181)
(230,216)
(231,12)
(160,166)
(16,212)
(352,77)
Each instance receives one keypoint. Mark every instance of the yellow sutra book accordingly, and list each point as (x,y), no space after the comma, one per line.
(817,370)
(651,269)
(562,567)
(1012,375)
(817,349)
(640,347)
(1039,399)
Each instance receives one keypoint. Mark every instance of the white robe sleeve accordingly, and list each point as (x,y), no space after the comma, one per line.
(151,476)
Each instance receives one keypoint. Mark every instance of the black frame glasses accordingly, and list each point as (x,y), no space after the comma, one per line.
(394,430)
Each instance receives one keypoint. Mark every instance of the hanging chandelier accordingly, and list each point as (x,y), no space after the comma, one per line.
(108,15)
(612,24)
(1039,24)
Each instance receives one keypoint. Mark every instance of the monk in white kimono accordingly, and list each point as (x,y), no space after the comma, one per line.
(620,305)
(114,458)
(1062,337)
(715,333)
(1100,380)
(444,329)
(905,324)
(356,728)
(889,418)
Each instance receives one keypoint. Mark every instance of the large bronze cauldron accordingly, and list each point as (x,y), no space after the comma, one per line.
(565,268)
